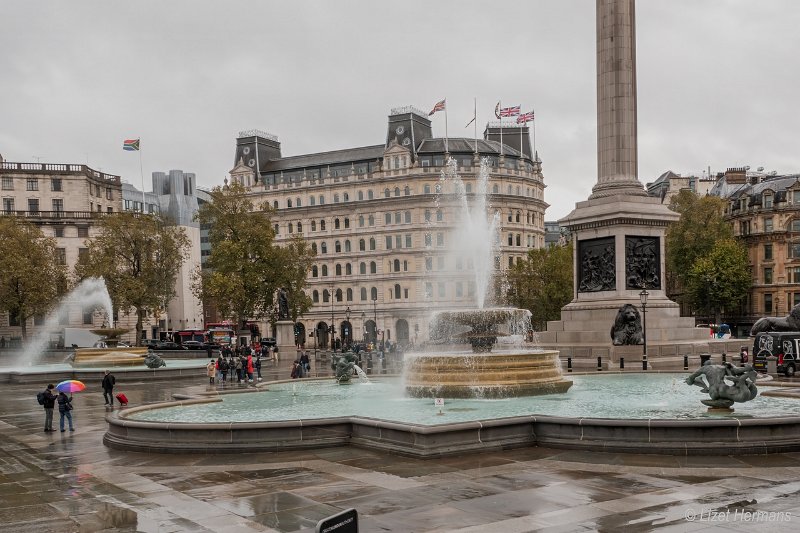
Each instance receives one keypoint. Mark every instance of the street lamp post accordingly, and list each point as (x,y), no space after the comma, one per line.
(333,325)
(347,333)
(375,317)
(643,298)
(364,327)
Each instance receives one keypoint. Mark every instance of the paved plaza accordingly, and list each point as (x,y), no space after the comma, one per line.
(65,482)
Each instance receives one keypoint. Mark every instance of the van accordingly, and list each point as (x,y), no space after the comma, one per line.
(785,345)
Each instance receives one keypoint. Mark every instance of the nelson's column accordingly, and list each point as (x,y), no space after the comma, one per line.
(618,233)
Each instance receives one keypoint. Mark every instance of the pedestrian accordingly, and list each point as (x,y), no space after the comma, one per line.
(275,355)
(305,365)
(258,366)
(211,371)
(49,405)
(223,368)
(295,370)
(239,368)
(65,410)
(250,368)
(108,388)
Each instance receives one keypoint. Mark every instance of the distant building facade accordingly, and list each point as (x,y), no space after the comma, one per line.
(381,222)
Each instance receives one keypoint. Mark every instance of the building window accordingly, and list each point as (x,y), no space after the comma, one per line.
(371,220)
(386,192)
(323,248)
(372,244)
(387,218)
(33,205)
(388,242)
(360,221)
(373,267)
(321,200)
(768,275)
(322,225)
(442,290)
(61,256)
(362,268)
(346,223)
(338,247)
(326,297)
(312,201)
(795,225)
(55,184)
(362,245)
(32,184)
(440,263)
(314,271)
(363,294)
(297,202)
(398,217)
(407,191)
(396,291)
(109,194)
(315,297)
(291,227)
(299,227)
(428,264)
(370,195)
(349,295)
(796,197)
(427,189)
(338,269)
(276,228)
(314,248)
(58,231)
(428,239)
(794,275)
(88,315)
(324,271)
(459,289)
(408,240)
(373,293)
(396,265)
(8,183)
(794,250)
(348,269)
(768,225)
(768,252)
(428,289)
(768,303)
(58,205)
(336,198)
(8,205)
(767,201)
(288,202)
(439,215)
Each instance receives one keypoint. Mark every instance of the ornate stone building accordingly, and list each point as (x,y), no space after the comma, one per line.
(381,221)
(764,210)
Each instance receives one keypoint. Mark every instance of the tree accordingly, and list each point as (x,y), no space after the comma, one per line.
(246,267)
(695,235)
(139,256)
(720,280)
(31,276)
(542,283)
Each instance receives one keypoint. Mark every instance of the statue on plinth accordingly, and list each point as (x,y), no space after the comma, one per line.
(791,322)
(343,366)
(283,304)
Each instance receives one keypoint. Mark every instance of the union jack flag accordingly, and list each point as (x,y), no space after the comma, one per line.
(512,111)
(438,107)
(525,118)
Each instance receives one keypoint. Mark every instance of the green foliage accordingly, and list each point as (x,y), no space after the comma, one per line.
(31,280)
(139,256)
(721,279)
(246,267)
(542,283)
(694,235)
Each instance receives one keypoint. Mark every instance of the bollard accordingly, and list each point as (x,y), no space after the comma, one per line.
(686,362)
(569,364)
(644,362)
(622,363)
(724,358)
(599,363)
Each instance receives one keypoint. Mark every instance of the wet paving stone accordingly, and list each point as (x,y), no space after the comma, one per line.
(73,483)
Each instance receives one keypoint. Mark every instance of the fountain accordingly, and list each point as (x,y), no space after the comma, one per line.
(518,370)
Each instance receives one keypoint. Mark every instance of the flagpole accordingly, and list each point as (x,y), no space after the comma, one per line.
(521,153)
(501,127)
(445,127)
(475,119)
(534,132)
(141,174)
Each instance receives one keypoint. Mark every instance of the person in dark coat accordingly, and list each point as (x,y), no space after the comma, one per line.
(65,410)
(49,405)
(108,388)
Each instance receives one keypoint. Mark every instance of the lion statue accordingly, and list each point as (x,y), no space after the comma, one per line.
(773,323)
(627,328)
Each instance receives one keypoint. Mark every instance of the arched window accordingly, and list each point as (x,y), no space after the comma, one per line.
(373,293)
(336,223)
(396,162)
(495,189)
(312,201)
(372,220)
(519,239)
(288,202)
(314,248)
(373,267)
(405,266)
(360,221)
(372,243)
(362,245)
(338,269)
(398,217)
(326,297)
(349,295)
(427,189)
(362,268)
(345,197)
(314,271)
(427,215)
(468,188)
(438,188)
(321,199)
(338,295)
(387,218)
(370,195)
(511,239)
(337,246)
(315,297)
(275,228)
(397,191)
(386,192)
(336,198)
(439,215)
(348,269)
(360,195)
(299,227)
(322,225)
(324,248)
(297,202)
(275,204)
(397,265)
(397,291)
(347,246)
(407,216)
(510,216)
(363,293)
(519,191)
(529,217)
(346,223)
(407,191)
(313,225)
(324,271)
(517,217)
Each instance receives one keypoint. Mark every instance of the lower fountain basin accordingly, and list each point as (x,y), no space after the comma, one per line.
(636,413)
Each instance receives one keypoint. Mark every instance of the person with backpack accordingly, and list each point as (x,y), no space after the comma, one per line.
(239,369)
(108,388)
(222,367)
(258,366)
(48,400)
(65,410)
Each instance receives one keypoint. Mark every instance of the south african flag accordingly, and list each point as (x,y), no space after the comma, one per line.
(131,145)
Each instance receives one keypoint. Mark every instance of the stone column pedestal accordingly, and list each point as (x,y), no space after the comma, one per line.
(285,339)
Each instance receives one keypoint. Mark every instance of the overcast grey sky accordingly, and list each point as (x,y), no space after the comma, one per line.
(718,80)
